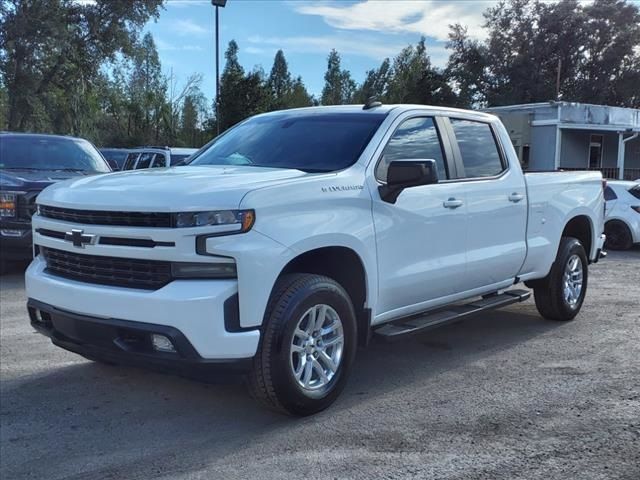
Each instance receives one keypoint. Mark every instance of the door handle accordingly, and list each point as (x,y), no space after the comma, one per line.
(515,197)
(452,203)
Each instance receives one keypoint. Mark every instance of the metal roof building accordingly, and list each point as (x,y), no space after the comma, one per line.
(563,135)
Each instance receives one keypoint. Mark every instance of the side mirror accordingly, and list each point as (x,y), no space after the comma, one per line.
(113,165)
(403,174)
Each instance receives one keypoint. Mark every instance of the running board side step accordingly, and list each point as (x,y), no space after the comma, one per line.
(420,323)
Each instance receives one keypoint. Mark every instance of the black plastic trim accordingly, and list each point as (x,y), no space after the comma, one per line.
(106,338)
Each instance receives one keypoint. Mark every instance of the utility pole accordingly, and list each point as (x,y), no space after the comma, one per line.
(218,4)
(558,79)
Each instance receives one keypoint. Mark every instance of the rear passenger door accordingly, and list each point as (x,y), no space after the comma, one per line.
(496,200)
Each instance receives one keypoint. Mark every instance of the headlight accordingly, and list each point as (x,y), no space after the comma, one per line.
(223,269)
(237,221)
(8,204)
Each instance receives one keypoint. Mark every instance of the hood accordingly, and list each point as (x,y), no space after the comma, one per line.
(165,189)
(34,179)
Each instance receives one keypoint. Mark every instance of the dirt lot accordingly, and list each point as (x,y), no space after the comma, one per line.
(505,396)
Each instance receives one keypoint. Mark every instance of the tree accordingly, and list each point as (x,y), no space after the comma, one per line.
(189,127)
(231,106)
(537,51)
(466,67)
(148,90)
(376,83)
(415,80)
(52,53)
(279,82)
(339,87)
(298,96)
(611,70)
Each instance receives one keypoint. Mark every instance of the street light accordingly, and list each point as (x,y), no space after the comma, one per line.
(218,4)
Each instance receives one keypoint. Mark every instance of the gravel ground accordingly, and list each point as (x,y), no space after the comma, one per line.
(503,396)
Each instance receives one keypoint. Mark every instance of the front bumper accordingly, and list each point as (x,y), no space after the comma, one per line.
(194,308)
(16,247)
(124,342)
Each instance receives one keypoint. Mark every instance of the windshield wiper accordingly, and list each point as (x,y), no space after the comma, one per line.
(67,170)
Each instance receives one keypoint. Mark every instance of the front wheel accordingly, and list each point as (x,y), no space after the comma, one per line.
(561,294)
(307,346)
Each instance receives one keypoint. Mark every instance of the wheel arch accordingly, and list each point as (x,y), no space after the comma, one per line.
(580,227)
(345,266)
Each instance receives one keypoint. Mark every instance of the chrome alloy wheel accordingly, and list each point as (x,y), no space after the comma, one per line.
(572,280)
(316,347)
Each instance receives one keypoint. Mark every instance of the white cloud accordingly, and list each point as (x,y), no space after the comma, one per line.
(323,44)
(426,17)
(175,47)
(254,50)
(185,27)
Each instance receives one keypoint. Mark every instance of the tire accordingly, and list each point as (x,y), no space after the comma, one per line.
(618,235)
(285,341)
(553,300)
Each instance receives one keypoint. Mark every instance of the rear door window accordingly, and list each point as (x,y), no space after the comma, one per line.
(159,161)
(130,163)
(478,148)
(145,160)
(635,191)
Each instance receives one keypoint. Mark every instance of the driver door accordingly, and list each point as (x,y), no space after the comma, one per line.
(421,238)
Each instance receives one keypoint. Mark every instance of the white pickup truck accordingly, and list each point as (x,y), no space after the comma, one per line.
(292,238)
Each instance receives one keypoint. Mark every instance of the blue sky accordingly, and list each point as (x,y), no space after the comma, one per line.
(364,32)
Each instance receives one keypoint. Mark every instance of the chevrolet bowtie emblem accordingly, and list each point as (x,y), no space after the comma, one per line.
(79,238)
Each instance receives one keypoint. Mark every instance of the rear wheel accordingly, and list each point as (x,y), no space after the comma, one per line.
(560,295)
(307,346)
(618,235)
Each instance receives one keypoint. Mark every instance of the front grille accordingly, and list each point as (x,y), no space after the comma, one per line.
(99,217)
(114,271)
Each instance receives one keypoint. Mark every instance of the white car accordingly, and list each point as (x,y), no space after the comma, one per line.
(622,219)
(293,237)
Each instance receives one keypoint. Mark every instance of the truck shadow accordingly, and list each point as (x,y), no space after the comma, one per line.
(146,417)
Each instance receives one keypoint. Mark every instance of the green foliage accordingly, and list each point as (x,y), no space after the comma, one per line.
(52,52)
(284,91)
(81,68)
(376,83)
(593,47)
(339,87)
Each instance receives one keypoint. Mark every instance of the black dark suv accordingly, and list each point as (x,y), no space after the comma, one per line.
(28,164)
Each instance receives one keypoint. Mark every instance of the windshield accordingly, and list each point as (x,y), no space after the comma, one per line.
(49,153)
(315,142)
(118,156)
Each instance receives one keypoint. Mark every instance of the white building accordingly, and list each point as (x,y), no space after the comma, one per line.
(575,136)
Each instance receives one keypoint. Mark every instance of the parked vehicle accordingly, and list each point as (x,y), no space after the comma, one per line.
(115,156)
(28,164)
(622,220)
(291,238)
(157,157)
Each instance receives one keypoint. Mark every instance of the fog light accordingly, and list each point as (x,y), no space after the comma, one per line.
(162,343)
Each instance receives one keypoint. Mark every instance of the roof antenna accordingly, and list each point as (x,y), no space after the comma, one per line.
(372,102)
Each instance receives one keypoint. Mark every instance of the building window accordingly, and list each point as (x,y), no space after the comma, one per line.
(595,151)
